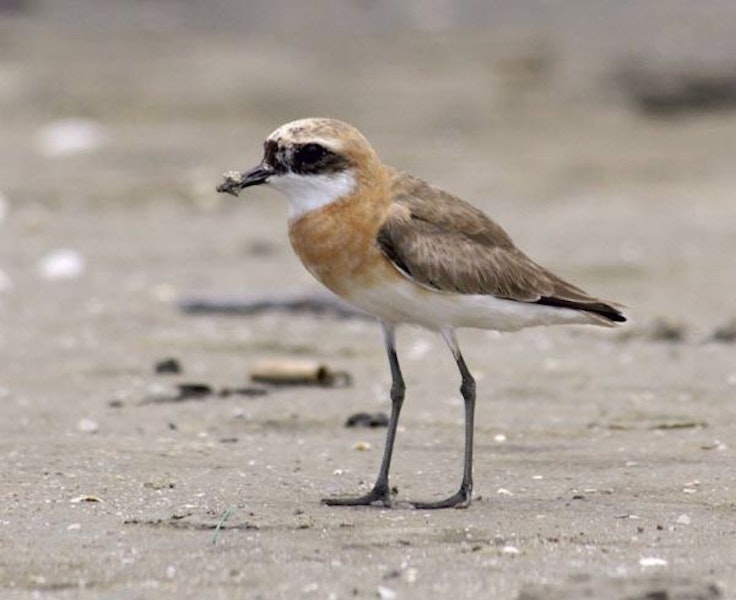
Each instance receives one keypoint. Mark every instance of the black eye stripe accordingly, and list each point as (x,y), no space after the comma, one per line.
(308,158)
(309,153)
(312,159)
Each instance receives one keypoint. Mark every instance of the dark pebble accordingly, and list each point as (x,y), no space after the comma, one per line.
(363,419)
(188,391)
(168,366)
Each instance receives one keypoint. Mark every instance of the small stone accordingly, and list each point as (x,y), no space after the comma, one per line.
(60,264)
(87,426)
(363,419)
(691,487)
(652,561)
(85,498)
(385,593)
(167,366)
(159,484)
(193,391)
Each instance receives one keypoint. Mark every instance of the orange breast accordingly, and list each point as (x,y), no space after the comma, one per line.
(337,245)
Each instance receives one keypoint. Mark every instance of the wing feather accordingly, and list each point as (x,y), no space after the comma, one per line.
(442,242)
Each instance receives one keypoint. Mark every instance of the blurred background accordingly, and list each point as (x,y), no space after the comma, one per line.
(601,134)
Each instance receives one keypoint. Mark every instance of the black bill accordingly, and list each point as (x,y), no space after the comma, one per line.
(234,181)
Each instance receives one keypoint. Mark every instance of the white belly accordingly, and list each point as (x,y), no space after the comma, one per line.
(403,301)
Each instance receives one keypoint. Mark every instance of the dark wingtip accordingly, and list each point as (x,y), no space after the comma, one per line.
(599,308)
(617,316)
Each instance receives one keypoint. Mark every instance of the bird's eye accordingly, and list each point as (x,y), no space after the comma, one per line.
(308,154)
(315,159)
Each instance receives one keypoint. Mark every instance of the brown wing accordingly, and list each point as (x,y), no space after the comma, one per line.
(445,243)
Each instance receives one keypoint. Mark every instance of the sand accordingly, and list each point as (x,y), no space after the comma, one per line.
(604,458)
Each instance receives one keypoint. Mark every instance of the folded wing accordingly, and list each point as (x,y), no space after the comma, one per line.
(444,243)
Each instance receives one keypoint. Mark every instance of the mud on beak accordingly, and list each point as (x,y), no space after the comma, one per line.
(234,181)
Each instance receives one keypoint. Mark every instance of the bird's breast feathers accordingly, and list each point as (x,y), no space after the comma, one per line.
(337,245)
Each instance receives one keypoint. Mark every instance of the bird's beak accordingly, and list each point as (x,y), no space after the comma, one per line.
(234,181)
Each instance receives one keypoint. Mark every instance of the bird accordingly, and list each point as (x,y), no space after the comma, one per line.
(407,252)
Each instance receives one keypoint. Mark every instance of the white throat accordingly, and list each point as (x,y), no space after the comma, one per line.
(311,192)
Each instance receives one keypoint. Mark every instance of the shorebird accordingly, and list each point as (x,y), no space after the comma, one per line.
(407,252)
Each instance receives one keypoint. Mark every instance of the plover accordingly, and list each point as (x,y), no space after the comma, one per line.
(407,252)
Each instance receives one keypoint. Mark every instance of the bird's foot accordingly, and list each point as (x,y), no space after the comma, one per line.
(379,495)
(459,500)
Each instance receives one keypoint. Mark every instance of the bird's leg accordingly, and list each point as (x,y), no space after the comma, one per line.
(462,498)
(381,492)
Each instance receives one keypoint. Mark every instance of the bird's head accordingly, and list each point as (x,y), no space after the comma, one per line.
(314,162)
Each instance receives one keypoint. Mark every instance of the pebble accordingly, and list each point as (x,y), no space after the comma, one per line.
(683,520)
(85,498)
(63,263)
(385,593)
(652,561)
(167,366)
(87,426)
(363,419)
(66,137)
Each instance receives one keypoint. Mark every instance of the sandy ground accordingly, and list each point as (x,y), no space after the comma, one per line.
(605,459)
